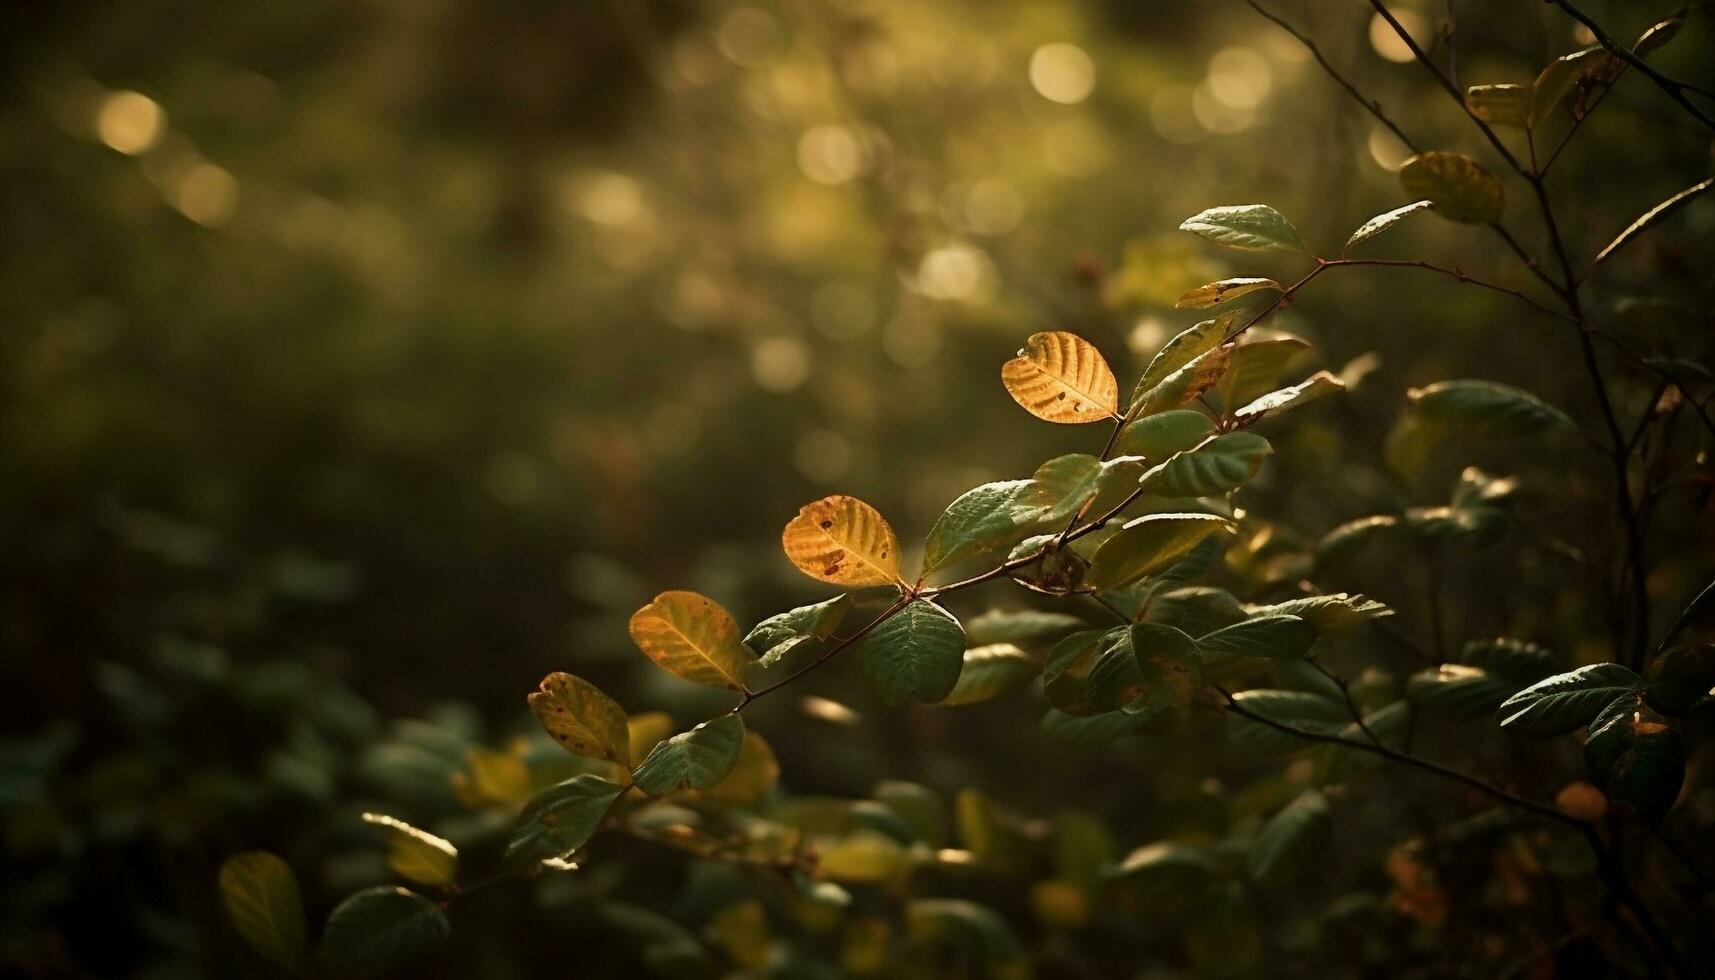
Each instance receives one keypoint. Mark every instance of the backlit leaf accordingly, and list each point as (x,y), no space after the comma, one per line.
(1500,105)
(1567,701)
(782,633)
(1460,689)
(1252,227)
(1184,384)
(990,671)
(561,818)
(752,776)
(1306,391)
(262,900)
(696,759)
(1327,613)
(1591,65)
(379,930)
(581,718)
(1149,544)
(916,655)
(1216,293)
(417,855)
(1257,365)
(1382,222)
(1457,185)
(844,541)
(1652,217)
(690,636)
(1061,377)
(1658,35)
(1636,758)
(1225,463)
(1202,336)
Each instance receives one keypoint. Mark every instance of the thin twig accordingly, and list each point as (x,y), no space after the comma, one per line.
(1675,89)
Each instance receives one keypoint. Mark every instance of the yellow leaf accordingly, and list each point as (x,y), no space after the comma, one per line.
(1061,377)
(691,636)
(1216,293)
(583,719)
(842,540)
(494,778)
(646,730)
(417,855)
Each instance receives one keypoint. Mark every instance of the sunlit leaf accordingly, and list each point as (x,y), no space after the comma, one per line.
(1327,613)
(1202,336)
(581,718)
(1567,701)
(1184,384)
(1382,222)
(417,855)
(1317,385)
(1292,839)
(696,759)
(382,929)
(262,900)
(1257,365)
(689,635)
(1159,436)
(1061,377)
(988,519)
(782,633)
(1216,293)
(865,857)
(1065,484)
(1658,35)
(1149,544)
(1460,690)
(1591,65)
(561,818)
(990,671)
(1225,463)
(1278,637)
(1300,710)
(844,541)
(1457,185)
(1349,535)
(1253,227)
(1651,218)
(1500,105)
(916,655)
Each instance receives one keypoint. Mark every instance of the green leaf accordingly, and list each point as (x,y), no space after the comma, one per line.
(1580,68)
(981,522)
(1296,709)
(1216,293)
(780,634)
(581,718)
(1156,437)
(1097,729)
(1081,845)
(382,929)
(1650,219)
(1328,613)
(1457,185)
(1065,679)
(1167,873)
(919,806)
(1170,666)
(990,671)
(1196,609)
(1680,677)
(1224,463)
(1292,840)
(1185,383)
(1500,105)
(1251,227)
(915,655)
(1637,760)
(1185,346)
(1062,485)
(1275,402)
(1382,222)
(1519,661)
(1460,690)
(1276,637)
(1149,544)
(979,935)
(696,759)
(1486,408)
(1657,36)
(417,855)
(561,818)
(262,900)
(1353,533)
(1567,701)
(1027,628)
(1257,365)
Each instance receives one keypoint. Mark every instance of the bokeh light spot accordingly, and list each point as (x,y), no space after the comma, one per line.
(130,122)
(780,364)
(1062,73)
(1387,42)
(830,154)
(207,195)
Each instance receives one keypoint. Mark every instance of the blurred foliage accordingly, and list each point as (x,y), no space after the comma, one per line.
(364,363)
